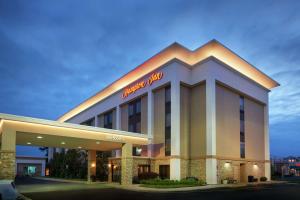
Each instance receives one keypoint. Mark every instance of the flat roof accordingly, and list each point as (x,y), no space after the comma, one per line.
(190,57)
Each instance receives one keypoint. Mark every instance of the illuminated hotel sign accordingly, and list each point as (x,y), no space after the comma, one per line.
(133,88)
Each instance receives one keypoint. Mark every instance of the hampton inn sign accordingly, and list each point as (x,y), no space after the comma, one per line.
(132,89)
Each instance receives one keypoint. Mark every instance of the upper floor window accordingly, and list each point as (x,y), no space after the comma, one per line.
(134,116)
(168,121)
(108,121)
(242,103)
(242,127)
(90,122)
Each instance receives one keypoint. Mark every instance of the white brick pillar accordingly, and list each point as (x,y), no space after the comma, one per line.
(150,113)
(267,140)
(175,162)
(91,164)
(211,162)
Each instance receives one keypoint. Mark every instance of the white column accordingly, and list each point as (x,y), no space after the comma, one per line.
(211,162)
(97,121)
(43,168)
(118,118)
(50,153)
(175,131)
(150,117)
(267,140)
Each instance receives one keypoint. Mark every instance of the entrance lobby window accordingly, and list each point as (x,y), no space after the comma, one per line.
(143,169)
(134,116)
(164,171)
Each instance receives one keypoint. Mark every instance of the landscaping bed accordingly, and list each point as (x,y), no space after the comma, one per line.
(165,183)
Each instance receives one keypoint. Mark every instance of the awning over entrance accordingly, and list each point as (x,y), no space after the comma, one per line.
(40,132)
(18,130)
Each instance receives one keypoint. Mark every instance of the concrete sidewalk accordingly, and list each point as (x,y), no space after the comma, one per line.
(138,187)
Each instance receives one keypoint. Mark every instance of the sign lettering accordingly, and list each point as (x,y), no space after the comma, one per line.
(132,89)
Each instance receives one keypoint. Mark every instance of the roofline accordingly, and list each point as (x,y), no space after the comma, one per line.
(177,51)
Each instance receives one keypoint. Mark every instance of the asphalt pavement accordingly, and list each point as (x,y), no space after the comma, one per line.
(280,191)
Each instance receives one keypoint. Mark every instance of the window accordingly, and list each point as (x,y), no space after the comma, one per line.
(164,171)
(90,122)
(242,127)
(143,169)
(134,116)
(108,120)
(168,121)
(137,151)
(242,147)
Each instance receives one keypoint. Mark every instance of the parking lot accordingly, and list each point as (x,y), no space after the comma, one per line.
(80,191)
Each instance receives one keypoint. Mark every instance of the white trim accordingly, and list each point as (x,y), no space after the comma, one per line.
(175,169)
(118,118)
(150,119)
(175,118)
(211,171)
(211,117)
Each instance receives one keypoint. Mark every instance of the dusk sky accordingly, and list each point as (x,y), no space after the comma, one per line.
(55,54)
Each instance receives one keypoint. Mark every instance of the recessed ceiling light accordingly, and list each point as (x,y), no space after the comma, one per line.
(63,143)
(39,137)
(97,142)
(28,142)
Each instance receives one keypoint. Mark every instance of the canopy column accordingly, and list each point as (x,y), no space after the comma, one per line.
(8,154)
(127,164)
(91,164)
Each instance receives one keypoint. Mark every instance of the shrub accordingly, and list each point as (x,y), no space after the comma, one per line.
(263,179)
(192,178)
(165,182)
(93,178)
(135,180)
(250,178)
(147,176)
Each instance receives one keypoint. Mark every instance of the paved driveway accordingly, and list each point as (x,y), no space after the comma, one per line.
(276,191)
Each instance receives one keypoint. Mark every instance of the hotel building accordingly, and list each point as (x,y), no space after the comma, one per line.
(200,113)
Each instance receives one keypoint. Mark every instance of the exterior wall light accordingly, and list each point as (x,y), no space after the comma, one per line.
(63,143)
(109,165)
(39,137)
(28,142)
(93,165)
(227,164)
(255,166)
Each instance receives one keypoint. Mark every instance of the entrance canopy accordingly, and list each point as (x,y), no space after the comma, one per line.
(40,132)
